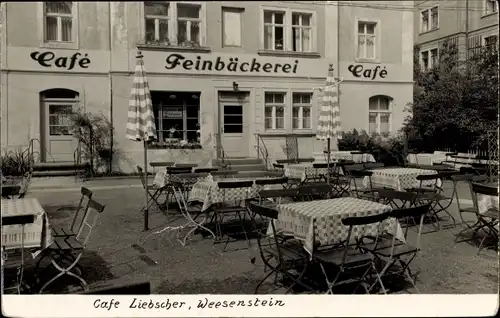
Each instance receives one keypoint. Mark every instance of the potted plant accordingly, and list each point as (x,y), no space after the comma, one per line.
(171,136)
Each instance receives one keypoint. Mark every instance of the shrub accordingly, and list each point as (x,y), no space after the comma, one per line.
(15,163)
(387,150)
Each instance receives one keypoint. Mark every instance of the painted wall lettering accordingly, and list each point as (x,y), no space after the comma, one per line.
(232,64)
(49,59)
(371,73)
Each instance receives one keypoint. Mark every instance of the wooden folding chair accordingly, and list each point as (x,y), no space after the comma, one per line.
(67,251)
(352,264)
(205,170)
(488,219)
(154,192)
(401,252)
(314,191)
(281,255)
(86,196)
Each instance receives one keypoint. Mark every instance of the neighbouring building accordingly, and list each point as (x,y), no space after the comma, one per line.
(220,73)
(467,25)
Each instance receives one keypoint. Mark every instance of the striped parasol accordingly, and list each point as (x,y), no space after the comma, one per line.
(329,126)
(141,122)
(329,118)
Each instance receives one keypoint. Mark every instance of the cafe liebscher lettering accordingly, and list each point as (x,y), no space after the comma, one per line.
(371,73)
(49,59)
(233,64)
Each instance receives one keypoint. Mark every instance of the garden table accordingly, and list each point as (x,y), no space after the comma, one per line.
(399,178)
(303,171)
(36,234)
(207,191)
(346,155)
(320,221)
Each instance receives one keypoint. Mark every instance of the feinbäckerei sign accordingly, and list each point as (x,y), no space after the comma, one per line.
(179,62)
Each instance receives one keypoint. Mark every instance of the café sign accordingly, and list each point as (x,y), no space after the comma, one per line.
(359,71)
(177,61)
(50,59)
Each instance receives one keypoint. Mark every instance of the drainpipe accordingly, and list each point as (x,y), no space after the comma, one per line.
(467,34)
(110,82)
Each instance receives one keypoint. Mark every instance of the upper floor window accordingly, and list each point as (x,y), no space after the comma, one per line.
(379,116)
(286,30)
(366,47)
(231,26)
(177,23)
(490,6)
(301,110)
(58,21)
(429,19)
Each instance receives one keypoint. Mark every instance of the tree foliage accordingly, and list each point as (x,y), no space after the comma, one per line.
(455,103)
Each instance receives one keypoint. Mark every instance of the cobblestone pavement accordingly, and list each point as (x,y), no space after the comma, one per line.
(119,254)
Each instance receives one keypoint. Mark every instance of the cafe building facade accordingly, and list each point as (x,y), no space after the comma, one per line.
(219,72)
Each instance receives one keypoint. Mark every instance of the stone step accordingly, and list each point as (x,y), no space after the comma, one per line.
(59,166)
(237,161)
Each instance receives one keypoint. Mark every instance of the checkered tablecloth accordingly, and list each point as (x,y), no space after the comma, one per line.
(303,171)
(209,193)
(346,155)
(320,221)
(162,178)
(400,178)
(36,234)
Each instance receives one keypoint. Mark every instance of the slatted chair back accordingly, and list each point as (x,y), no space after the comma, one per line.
(177,170)
(94,209)
(404,216)
(234,184)
(397,199)
(161,164)
(271,181)
(225,174)
(279,167)
(86,196)
(373,165)
(428,178)
(186,165)
(478,188)
(456,179)
(205,170)
(305,160)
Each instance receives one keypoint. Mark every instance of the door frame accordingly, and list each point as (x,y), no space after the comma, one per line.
(45,154)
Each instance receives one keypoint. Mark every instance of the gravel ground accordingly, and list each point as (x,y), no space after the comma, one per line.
(118,254)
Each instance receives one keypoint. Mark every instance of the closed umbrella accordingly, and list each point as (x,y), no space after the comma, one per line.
(329,126)
(141,122)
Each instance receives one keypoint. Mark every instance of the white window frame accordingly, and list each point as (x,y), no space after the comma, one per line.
(240,11)
(378,39)
(429,52)
(172,22)
(273,114)
(431,22)
(485,5)
(287,32)
(73,44)
(379,112)
(301,107)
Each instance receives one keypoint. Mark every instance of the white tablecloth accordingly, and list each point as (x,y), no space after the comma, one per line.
(346,155)
(421,158)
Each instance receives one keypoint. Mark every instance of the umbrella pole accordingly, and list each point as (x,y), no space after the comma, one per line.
(328,161)
(146,210)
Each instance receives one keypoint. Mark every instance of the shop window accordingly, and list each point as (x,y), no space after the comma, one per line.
(58,21)
(429,19)
(274,105)
(232,26)
(287,30)
(490,6)
(379,117)
(301,110)
(177,116)
(173,23)
(366,47)
(59,105)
